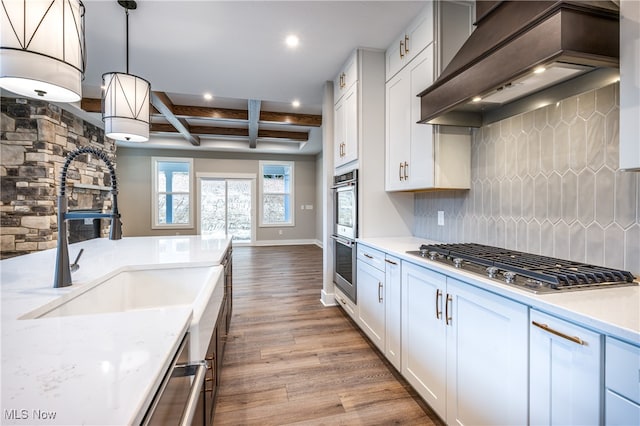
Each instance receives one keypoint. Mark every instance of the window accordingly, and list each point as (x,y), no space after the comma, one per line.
(172,199)
(276,191)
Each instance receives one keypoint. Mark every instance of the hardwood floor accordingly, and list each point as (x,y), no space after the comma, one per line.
(290,360)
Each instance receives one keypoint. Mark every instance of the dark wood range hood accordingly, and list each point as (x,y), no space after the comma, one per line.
(574,43)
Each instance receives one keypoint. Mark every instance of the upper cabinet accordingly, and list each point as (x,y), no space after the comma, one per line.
(629,85)
(421,156)
(410,43)
(345,91)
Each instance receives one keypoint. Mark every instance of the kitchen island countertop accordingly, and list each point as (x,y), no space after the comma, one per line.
(611,311)
(90,369)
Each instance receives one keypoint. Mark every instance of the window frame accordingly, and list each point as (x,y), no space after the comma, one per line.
(292,221)
(155,193)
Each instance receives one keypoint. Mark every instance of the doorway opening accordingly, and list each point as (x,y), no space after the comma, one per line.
(226,207)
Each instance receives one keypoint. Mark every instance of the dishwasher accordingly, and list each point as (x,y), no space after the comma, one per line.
(179,399)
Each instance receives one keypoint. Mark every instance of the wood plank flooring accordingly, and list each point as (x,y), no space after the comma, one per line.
(290,360)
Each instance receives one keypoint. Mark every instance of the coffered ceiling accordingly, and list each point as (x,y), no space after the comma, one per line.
(235,51)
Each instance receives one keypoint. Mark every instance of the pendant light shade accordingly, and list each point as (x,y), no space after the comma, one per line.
(125,107)
(125,99)
(42,51)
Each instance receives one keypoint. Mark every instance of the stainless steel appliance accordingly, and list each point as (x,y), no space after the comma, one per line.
(345,232)
(538,274)
(179,400)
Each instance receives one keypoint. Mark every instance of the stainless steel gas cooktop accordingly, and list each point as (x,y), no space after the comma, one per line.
(538,274)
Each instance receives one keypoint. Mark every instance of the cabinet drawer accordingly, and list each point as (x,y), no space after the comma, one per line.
(620,411)
(371,256)
(346,304)
(622,369)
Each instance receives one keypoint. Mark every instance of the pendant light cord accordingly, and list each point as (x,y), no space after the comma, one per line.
(127,26)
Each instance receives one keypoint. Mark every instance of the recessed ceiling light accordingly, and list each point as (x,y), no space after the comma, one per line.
(207,96)
(295,103)
(292,40)
(476,99)
(539,70)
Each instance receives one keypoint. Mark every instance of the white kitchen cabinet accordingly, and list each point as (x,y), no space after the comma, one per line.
(629,84)
(565,368)
(622,380)
(393,330)
(346,113)
(346,304)
(408,44)
(346,78)
(370,275)
(421,156)
(464,349)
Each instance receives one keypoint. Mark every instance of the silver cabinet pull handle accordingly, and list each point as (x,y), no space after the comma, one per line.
(401,171)
(448,318)
(391,262)
(368,256)
(406,170)
(548,329)
(379,292)
(438,302)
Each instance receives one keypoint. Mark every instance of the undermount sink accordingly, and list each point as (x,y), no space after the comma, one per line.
(138,289)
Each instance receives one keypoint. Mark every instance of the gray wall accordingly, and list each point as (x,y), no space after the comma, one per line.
(134,171)
(547,182)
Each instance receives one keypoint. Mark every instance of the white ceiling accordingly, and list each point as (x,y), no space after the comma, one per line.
(235,50)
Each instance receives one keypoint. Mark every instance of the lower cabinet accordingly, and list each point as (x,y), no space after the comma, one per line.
(464,350)
(565,367)
(622,380)
(371,302)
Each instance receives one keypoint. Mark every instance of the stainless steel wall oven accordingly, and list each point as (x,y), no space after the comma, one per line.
(345,232)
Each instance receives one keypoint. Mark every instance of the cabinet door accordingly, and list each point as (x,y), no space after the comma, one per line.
(420,168)
(346,77)
(410,42)
(351,125)
(424,357)
(409,145)
(620,411)
(338,132)
(393,310)
(486,357)
(398,130)
(371,302)
(565,375)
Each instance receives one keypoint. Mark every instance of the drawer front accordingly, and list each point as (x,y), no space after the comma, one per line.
(345,303)
(622,369)
(620,411)
(371,256)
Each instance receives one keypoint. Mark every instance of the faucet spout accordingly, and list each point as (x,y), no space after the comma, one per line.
(62,277)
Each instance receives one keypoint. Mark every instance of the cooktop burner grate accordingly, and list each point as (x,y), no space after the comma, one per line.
(555,273)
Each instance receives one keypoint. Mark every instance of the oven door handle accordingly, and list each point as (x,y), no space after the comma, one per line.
(346,184)
(343,241)
(192,403)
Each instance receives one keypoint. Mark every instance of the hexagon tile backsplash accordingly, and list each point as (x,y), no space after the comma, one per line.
(546,182)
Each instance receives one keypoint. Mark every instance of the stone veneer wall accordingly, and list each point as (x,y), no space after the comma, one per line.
(547,182)
(35,139)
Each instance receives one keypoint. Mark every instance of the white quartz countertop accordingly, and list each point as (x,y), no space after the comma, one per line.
(90,369)
(610,311)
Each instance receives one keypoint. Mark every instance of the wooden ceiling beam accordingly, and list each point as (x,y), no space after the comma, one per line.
(291,118)
(162,103)
(233,132)
(254,116)
(187,111)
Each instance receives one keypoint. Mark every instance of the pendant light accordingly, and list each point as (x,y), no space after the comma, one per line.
(125,99)
(42,51)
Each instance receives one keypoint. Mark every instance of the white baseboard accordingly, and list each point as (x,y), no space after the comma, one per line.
(328,299)
(319,243)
